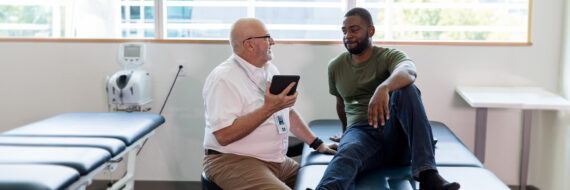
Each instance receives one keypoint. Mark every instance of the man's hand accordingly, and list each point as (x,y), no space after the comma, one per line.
(327,148)
(378,106)
(336,138)
(279,101)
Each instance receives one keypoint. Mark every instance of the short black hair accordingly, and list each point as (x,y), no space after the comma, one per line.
(362,13)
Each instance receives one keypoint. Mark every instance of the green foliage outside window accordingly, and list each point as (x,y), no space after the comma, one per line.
(25,14)
(38,16)
(453,24)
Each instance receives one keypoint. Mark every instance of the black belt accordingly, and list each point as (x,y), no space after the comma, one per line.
(211,152)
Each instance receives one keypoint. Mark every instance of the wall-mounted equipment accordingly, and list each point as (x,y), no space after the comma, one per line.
(130,89)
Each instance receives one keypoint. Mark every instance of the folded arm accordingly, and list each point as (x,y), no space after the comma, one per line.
(403,75)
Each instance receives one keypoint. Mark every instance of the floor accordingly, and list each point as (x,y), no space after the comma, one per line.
(190,185)
(153,185)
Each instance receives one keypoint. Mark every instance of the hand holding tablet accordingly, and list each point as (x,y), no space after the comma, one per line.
(280,82)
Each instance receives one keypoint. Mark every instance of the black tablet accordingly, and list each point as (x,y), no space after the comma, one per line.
(280,82)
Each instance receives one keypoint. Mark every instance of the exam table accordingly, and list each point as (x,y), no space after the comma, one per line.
(454,162)
(36,176)
(84,142)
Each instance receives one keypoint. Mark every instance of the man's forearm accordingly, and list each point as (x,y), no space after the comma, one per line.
(242,126)
(340,112)
(403,75)
(299,128)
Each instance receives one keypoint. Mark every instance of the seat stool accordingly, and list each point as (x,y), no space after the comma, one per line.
(295,147)
(207,184)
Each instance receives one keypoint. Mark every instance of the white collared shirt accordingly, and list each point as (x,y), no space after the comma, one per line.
(234,89)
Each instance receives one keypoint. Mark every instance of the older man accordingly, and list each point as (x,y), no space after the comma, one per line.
(245,144)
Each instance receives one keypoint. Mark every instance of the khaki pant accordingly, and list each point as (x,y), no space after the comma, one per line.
(231,171)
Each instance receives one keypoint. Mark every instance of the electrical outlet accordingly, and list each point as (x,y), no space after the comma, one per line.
(183,70)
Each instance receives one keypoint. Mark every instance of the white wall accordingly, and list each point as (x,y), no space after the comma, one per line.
(42,79)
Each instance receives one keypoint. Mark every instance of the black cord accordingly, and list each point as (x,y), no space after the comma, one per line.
(165,100)
(177,74)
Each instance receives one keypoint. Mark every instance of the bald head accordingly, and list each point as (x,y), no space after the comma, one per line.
(243,29)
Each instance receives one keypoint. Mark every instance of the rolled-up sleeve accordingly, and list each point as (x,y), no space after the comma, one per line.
(395,57)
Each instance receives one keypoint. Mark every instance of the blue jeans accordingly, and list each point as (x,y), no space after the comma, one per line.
(406,137)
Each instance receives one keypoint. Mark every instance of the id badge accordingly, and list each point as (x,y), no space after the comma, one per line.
(280,121)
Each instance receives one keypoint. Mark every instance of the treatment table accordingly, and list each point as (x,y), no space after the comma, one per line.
(454,162)
(66,151)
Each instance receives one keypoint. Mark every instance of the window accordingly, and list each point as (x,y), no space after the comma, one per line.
(77,18)
(314,20)
(286,20)
(19,19)
(137,18)
(450,20)
(202,19)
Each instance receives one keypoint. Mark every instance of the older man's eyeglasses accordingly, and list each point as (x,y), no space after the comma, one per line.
(267,37)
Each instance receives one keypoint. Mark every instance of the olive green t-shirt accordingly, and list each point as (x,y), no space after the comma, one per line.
(355,82)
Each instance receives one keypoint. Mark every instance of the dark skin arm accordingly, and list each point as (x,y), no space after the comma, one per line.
(340,112)
(342,116)
(403,75)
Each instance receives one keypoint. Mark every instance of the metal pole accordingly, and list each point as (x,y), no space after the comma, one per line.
(480,133)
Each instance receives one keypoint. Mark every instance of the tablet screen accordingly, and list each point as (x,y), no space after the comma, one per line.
(280,82)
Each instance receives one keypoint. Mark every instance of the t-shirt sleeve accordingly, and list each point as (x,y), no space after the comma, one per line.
(222,101)
(332,84)
(393,57)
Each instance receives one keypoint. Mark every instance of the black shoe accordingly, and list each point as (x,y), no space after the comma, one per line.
(431,180)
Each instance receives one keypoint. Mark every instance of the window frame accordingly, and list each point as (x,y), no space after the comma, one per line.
(160,31)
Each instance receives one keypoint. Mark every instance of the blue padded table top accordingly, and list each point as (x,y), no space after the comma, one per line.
(82,159)
(455,154)
(381,179)
(325,128)
(114,146)
(322,128)
(127,127)
(36,177)
(472,178)
(449,151)
(442,133)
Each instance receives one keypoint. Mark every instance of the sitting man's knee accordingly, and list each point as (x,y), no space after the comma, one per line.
(351,149)
(349,146)
(409,90)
